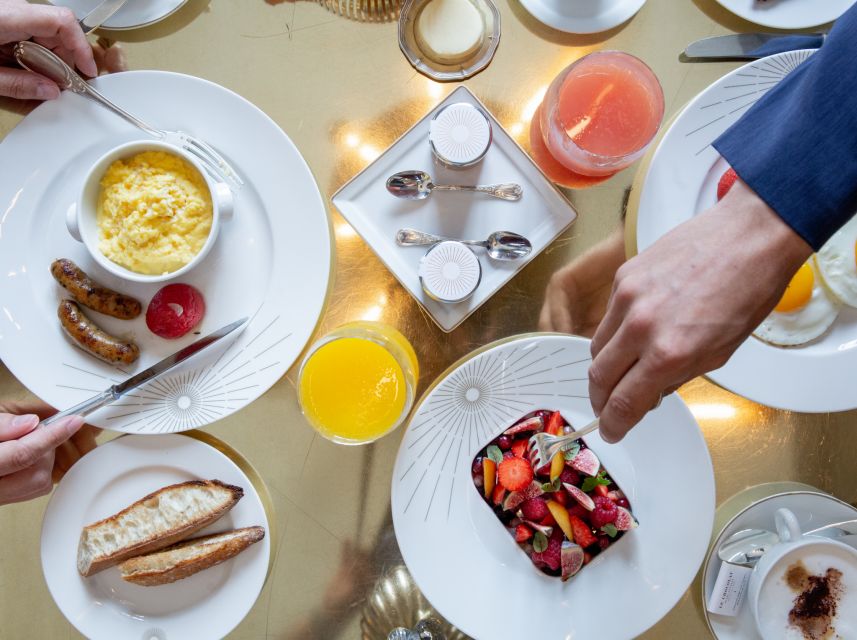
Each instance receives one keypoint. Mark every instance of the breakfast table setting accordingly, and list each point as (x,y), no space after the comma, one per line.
(327,403)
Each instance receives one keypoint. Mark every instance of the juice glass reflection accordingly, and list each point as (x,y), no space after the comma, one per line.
(601,112)
(357,383)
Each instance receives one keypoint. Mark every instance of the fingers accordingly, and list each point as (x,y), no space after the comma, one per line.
(609,367)
(26,85)
(29,483)
(632,398)
(72,450)
(13,427)
(45,22)
(28,450)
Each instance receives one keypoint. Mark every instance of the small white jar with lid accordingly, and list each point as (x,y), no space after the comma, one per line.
(450,272)
(460,135)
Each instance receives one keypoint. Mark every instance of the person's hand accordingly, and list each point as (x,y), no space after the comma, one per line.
(576,296)
(681,308)
(53,27)
(27,454)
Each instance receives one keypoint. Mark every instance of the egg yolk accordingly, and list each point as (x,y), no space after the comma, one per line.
(798,292)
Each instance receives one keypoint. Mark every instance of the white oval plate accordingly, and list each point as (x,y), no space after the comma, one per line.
(788,14)
(813,510)
(206,605)
(132,15)
(682,181)
(254,269)
(583,16)
(468,565)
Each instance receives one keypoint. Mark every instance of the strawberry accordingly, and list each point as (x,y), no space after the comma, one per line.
(579,511)
(515,474)
(726,182)
(519,448)
(523,533)
(582,533)
(548,521)
(561,497)
(554,424)
(600,490)
(498,494)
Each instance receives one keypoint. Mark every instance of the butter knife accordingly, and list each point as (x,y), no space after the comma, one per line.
(750,46)
(98,16)
(117,391)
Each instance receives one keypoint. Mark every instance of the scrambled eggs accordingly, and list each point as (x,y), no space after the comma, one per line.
(154,212)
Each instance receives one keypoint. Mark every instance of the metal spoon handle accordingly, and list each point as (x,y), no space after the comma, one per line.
(412,237)
(508,191)
(40,60)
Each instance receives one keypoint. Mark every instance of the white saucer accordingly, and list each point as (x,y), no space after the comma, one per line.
(132,15)
(582,16)
(472,570)
(812,508)
(205,606)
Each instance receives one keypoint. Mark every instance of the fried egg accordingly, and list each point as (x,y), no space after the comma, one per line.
(837,262)
(805,311)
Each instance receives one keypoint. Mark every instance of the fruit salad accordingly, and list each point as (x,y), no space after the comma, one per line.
(562,514)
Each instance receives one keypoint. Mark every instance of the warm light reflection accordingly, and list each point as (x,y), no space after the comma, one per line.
(533,104)
(434,90)
(368,152)
(372,313)
(344,230)
(352,140)
(712,410)
(517,129)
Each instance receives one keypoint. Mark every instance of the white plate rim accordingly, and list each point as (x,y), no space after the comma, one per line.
(432,592)
(291,335)
(107,25)
(768,17)
(251,496)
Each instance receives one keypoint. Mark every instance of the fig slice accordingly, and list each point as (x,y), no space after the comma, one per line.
(571,558)
(530,424)
(545,529)
(586,462)
(624,520)
(585,501)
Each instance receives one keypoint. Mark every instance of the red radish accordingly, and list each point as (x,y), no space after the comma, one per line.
(530,424)
(175,310)
(586,462)
(625,521)
(572,559)
(584,500)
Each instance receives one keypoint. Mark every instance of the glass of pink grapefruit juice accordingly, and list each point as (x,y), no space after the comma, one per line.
(601,112)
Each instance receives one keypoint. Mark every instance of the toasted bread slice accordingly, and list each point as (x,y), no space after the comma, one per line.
(189,557)
(154,522)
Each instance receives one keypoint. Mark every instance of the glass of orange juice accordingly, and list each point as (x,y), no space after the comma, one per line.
(358,382)
(601,112)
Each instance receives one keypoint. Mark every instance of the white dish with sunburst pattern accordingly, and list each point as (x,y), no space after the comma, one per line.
(256,269)
(682,181)
(468,565)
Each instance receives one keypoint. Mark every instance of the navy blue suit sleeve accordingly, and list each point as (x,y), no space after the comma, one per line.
(797,146)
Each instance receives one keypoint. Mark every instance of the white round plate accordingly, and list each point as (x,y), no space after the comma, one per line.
(132,15)
(787,14)
(254,269)
(813,510)
(208,604)
(582,16)
(468,565)
(682,181)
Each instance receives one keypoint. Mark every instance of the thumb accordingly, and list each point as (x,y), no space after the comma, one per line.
(26,85)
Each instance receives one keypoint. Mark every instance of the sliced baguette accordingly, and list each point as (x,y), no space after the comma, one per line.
(189,557)
(154,522)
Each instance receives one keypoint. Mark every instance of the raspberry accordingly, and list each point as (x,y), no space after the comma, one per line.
(570,476)
(725,183)
(175,310)
(605,512)
(550,557)
(535,509)
(603,542)
(514,473)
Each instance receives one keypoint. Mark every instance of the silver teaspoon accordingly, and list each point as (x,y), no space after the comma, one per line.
(501,245)
(417,185)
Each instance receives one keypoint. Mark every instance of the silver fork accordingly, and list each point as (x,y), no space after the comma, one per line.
(544,446)
(38,59)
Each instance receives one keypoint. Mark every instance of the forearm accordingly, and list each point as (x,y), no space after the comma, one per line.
(797,147)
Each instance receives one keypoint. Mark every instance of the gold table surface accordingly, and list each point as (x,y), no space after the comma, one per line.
(325,79)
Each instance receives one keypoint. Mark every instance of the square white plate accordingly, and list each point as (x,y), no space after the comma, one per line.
(540,215)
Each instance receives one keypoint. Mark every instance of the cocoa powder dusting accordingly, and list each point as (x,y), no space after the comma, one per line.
(815,606)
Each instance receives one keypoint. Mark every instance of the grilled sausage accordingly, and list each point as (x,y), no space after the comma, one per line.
(91,294)
(92,339)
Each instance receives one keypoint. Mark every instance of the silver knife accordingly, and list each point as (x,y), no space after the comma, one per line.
(750,46)
(98,16)
(118,390)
